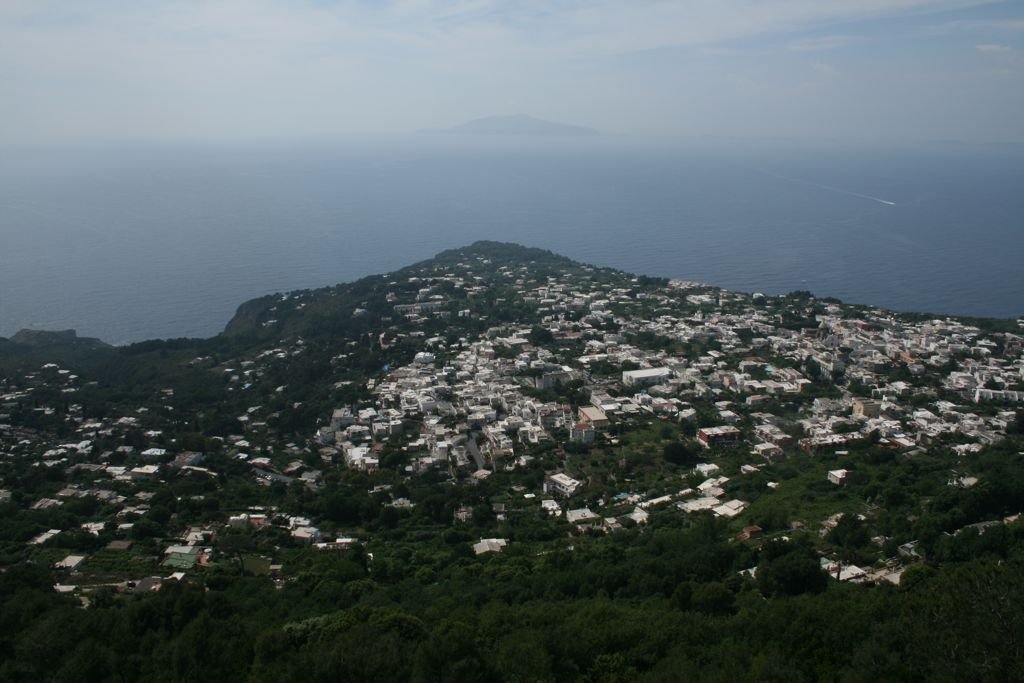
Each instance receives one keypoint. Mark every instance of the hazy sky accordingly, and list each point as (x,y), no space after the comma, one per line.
(79,70)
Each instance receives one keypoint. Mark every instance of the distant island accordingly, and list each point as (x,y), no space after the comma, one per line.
(516,124)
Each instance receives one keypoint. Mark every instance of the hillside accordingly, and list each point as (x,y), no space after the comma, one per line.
(503,464)
(38,345)
(326,309)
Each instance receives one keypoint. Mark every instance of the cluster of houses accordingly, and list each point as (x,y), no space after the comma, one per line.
(476,404)
(120,461)
(490,397)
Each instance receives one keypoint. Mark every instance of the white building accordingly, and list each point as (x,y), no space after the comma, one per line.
(561,484)
(489,545)
(646,376)
(839,477)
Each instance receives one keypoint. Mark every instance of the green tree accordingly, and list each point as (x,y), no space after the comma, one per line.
(679,453)
(794,571)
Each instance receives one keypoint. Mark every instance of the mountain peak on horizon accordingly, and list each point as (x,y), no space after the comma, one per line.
(517,124)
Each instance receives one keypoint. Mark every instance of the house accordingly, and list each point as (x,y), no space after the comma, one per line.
(710,437)
(145,471)
(707,469)
(698,504)
(360,457)
(712,486)
(70,562)
(612,525)
(730,508)
(187,459)
(43,537)
(768,451)
(551,507)
(687,415)
(561,484)
(645,377)
(339,543)
(582,432)
(999,395)
(151,454)
(728,416)
(489,545)
(866,407)
(594,416)
(843,572)
(306,534)
(839,477)
(552,379)
(341,418)
(581,516)
(181,549)
(238,521)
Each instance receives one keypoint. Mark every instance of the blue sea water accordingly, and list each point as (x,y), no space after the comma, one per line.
(131,243)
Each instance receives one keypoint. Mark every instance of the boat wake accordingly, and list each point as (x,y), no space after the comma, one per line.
(829,188)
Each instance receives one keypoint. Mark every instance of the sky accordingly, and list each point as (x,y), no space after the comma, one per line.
(76,71)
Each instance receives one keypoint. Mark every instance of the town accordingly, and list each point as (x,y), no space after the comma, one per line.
(551,405)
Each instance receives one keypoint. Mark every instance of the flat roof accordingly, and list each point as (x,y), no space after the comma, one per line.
(647,372)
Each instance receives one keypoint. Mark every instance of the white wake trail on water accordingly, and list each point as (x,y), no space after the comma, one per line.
(840,190)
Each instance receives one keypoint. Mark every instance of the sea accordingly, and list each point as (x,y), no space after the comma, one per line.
(132,242)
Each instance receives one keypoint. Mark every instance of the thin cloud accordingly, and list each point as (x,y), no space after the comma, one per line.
(586,28)
(993,48)
(822,43)
(978,25)
(252,68)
